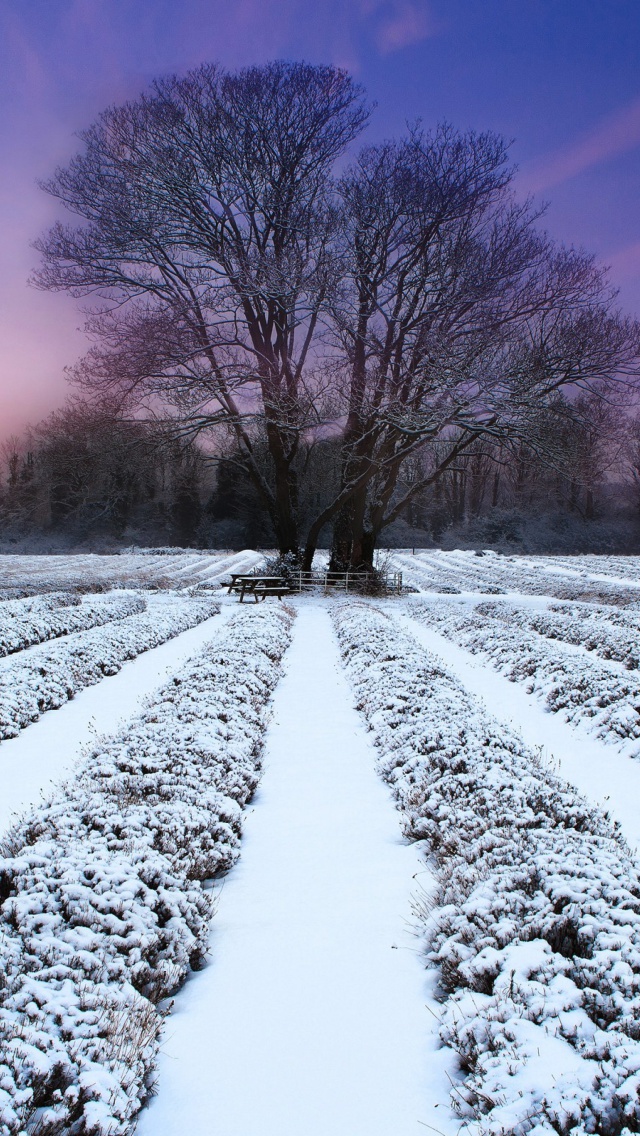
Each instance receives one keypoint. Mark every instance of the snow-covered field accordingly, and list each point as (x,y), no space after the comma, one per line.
(179,568)
(434,924)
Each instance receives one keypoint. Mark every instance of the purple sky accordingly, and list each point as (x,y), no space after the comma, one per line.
(560,77)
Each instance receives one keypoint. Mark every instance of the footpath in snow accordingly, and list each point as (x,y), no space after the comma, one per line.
(48,749)
(606,777)
(313,1014)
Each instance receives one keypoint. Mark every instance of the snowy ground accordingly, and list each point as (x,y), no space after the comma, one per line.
(39,757)
(137,568)
(314,990)
(323,1006)
(608,777)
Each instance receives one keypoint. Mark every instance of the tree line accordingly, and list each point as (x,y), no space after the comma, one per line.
(91,474)
(379,318)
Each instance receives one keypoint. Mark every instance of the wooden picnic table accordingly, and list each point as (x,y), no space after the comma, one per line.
(258,586)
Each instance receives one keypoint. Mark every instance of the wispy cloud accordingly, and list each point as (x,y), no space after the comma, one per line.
(402,23)
(612,135)
(625,263)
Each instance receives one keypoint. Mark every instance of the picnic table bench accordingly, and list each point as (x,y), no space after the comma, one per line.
(258,586)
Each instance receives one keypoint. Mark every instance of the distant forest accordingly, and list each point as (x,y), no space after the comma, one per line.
(89,477)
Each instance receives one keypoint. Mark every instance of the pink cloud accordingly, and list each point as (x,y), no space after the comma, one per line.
(613,135)
(409,23)
(625,263)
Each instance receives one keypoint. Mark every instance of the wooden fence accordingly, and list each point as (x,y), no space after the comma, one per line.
(378,583)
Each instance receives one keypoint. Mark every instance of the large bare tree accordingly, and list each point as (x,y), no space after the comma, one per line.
(206,225)
(234,278)
(458,319)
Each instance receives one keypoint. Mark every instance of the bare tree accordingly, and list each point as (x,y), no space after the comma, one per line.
(596,436)
(205,232)
(458,319)
(233,278)
(93,466)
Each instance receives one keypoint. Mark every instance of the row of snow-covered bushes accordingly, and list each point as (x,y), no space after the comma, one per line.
(104,912)
(592,629)
(489,573)
(580,589)
(28,621)
(535,927)
(47,678)
(437,573)
(582,687)
(622,567)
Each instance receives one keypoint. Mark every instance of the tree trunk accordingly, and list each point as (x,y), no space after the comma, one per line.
(349,523)
(285,521)
(496,489)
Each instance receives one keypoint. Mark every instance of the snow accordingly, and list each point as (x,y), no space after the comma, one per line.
(49,674)
(311,1014)
(489,572)
(32,762)
(469,963)
(535,924)
(104,910)
(30,621)
(150,567)
(608,778)
(604,695)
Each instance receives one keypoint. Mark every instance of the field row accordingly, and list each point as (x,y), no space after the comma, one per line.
(26,622)
(491,573)
(532,924)
(104,912)
(535,927)
(139,568)
(605,696)
(47,677)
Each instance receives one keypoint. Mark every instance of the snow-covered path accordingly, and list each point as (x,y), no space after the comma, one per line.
(311,1016)
(605,775)
(49,748)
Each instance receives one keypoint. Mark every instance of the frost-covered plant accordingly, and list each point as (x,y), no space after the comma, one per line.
(603,696)
(28,621)
(493,574)
(592,628)
(286,565)
(103,909)
(46,679)
(535,926)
